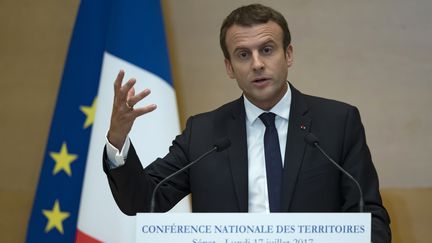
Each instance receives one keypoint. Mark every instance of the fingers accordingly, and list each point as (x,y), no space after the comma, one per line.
(121,92)
(125,98)
(133,99)
(131,93)
(118,81)
(126,89)
(143,110)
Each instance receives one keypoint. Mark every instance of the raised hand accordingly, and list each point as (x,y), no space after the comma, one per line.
(124,113)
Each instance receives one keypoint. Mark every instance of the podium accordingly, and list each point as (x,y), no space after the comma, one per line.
(253,227)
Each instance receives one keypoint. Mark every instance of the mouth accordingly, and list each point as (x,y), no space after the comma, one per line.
(260,80)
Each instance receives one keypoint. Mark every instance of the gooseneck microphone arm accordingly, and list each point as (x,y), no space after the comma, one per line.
(218,147)
(311,139)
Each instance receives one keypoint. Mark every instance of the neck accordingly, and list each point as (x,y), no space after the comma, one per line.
(268,105)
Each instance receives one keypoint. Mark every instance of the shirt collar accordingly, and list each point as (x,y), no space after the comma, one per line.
(281,109)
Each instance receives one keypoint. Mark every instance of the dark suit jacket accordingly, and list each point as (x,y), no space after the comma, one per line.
(219,183)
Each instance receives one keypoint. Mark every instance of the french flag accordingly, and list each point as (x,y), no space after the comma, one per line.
(73,202)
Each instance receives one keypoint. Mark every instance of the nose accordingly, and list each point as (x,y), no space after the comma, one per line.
(257,63)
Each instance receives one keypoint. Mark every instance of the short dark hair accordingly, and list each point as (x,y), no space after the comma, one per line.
(251,15)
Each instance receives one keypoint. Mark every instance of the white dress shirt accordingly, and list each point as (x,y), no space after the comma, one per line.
(255,128)
(258,195)
(117,158)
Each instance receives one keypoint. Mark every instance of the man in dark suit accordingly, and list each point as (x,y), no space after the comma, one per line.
(268,167)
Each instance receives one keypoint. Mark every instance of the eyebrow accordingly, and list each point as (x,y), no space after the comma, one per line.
(269,41)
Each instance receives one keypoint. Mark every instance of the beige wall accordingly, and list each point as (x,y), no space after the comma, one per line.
(373,54)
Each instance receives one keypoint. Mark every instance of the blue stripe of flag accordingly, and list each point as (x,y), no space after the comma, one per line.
(136,34)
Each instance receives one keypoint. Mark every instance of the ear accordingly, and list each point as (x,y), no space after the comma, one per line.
(229,68)
(289,55)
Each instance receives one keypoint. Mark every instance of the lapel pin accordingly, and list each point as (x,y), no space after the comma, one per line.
(302,127)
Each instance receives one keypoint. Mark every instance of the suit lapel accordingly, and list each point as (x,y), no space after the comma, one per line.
(238,153)
(299,125)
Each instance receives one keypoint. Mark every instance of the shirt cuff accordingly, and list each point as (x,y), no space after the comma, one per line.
(117,158)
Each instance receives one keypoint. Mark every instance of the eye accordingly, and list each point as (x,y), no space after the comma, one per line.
(267,50)
(243,54)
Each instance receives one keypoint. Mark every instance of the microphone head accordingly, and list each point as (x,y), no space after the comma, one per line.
(222,144)
(311,139)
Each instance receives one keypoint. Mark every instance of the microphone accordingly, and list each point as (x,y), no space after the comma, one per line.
(312,140)
(219,146)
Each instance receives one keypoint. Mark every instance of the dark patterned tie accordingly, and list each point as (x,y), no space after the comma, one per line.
(273,161)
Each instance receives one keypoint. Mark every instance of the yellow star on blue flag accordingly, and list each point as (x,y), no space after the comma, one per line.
(90,112)
(55,218)
(63,160)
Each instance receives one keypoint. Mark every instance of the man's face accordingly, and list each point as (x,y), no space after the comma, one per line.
(258,62)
